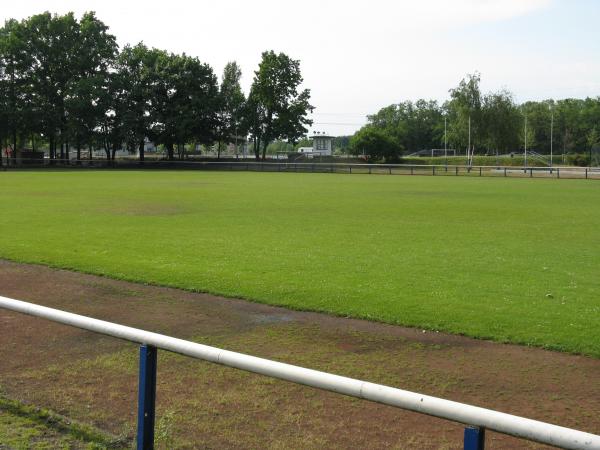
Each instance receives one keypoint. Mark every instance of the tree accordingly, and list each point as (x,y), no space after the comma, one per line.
(134,80)
(465,114)
(4,110)
(185,103)
(502,121)
(231,107)
(276,109)
(15,63)
(593,139)
(95,53)
(375,143)
(527,135)
(412,126)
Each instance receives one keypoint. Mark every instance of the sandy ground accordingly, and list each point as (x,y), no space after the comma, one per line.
(93,378)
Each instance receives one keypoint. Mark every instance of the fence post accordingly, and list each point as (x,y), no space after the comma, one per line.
(146,397)
(456,170)
(586,173)
(411,170)
(530,173)
(480,171)
(505,171)
(350,169)
(474,438)
(558,172)
(433,170)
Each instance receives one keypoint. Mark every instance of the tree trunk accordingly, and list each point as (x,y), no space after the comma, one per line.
(67,151)
(114,151)
(14,149)
(256,144)
(107,150)
(264,150)
(78,153)
(51,148)
(170,151)
(218,150)
(141,150)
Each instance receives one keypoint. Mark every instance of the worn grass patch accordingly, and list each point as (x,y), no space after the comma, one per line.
(507,259)
(27,427)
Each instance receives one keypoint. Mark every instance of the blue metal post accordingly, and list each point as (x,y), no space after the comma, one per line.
(474,438)
(146,398)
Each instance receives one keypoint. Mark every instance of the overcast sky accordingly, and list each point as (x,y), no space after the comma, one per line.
(358,56)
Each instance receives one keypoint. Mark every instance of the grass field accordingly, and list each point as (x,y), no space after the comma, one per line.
(509,259)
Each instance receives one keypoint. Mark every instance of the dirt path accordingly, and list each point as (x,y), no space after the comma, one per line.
(92,378)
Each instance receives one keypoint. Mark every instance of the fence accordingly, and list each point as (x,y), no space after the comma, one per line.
(478,419)
(306,167)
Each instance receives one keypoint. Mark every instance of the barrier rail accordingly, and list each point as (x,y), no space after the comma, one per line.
(317,167)
(478,419)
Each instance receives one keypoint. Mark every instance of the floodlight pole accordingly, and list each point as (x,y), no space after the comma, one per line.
(445,141)
(469,147)
(551,133)
(525,141)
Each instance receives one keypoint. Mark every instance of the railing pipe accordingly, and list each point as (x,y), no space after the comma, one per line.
(532,430)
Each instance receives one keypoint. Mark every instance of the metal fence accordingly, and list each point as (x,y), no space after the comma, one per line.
(477,419)
(318,167)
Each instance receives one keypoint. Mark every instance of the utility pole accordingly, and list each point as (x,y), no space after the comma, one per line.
(551,132)
(469,147)
(445,141)
(525,141)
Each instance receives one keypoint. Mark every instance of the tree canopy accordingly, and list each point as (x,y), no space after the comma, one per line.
(276,109)
(64,81)
(495,119)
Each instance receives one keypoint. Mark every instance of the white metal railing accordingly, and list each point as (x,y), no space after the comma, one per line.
(521,427)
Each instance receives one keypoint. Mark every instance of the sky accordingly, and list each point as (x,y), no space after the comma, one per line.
(359,56)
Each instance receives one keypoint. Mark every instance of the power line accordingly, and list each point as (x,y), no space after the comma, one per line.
(339,123)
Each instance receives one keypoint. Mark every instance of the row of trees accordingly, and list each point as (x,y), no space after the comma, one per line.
(64,83)
(496,123)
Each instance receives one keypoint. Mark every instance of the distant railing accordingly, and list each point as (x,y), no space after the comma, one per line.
(478,419)
(316,167)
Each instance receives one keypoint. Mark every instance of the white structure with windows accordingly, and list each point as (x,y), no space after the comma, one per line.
(322,145)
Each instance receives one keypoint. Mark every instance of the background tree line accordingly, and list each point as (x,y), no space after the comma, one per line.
(65,84)
(496,121)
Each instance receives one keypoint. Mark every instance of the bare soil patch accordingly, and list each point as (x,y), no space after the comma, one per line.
(93,378)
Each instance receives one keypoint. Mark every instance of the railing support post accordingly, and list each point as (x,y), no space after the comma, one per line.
(146,397)
(474,438)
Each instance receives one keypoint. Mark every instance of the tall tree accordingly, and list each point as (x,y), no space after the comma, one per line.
(95,52)
(501,120)
(185,103)
(465,114)
(276,108)
(134,81)
(231,107)
(15,75)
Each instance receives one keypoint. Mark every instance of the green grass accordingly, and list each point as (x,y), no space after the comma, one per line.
(514,260)
(26,427)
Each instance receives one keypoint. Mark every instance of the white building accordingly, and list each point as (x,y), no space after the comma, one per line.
(322,145)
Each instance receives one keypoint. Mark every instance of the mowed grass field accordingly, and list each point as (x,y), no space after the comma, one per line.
(514,260)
